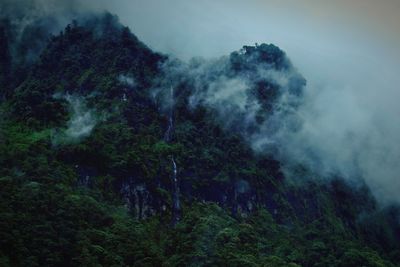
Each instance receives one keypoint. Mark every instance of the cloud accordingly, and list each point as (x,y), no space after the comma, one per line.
(81,123)
(347,120)
(127,80)
(29,23)
(247,90)
(351,132)
(334,130)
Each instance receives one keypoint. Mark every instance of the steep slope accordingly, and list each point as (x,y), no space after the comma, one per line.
(102,137)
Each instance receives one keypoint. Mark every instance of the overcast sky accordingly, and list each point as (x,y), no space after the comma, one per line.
(348,50)
(314,33)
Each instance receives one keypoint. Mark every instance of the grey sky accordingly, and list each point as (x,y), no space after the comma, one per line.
(347,50)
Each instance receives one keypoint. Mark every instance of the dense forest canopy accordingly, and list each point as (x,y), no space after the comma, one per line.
(100,137)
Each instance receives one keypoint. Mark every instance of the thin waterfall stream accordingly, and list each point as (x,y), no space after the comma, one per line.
(176,205)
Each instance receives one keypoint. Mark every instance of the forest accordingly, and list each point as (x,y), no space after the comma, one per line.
(112,154)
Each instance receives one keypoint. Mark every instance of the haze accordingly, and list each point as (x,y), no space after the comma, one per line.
(347,50)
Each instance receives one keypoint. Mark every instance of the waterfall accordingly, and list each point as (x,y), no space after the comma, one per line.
(175,171)
(175,196)
(167,135)
(176,206)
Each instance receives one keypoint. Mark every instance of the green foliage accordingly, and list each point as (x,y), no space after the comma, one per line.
(61,202)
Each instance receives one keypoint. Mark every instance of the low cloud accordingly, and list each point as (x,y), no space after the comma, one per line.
(243,99)
(345,132)
(127,80)
(30,23)
(346,121)
(332,130)
(81,123)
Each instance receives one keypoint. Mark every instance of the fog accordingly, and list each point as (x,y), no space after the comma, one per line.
(348,51)
(80,124)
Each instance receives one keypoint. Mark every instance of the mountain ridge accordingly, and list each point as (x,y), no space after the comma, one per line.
(238,207)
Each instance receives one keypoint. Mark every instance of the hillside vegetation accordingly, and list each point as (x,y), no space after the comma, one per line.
(86,173)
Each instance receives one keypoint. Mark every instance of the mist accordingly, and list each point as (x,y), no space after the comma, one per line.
(34,21)
(80,124)
(348,51)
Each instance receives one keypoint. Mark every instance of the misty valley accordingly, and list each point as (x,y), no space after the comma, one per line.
(114,154)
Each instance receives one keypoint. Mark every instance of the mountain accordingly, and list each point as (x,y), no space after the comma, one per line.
(115,155)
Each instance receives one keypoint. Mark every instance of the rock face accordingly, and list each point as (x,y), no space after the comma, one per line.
(175,190)
(203,156)
(171,144)
(137,199)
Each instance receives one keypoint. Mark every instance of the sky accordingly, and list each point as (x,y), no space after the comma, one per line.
(347,50)
(312,32)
